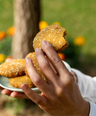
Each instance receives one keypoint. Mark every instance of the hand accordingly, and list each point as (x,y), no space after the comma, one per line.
(60,95)
(13,93)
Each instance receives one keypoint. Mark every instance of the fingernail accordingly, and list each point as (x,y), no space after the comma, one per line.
(12,95)
(3,92)
(23,86)
(44,42)
(27,59)
(37,49)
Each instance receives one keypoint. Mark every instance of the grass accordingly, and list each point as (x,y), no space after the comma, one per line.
(79,19)
(6,21)
(6,14)
(77,16)
(5,46)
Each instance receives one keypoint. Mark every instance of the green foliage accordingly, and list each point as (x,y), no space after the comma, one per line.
(72,53)
(5,46)
(6,14)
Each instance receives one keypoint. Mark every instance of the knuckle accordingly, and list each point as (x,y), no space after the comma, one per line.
(37,80)
(38,101)
(56,59)
(61,91)
(48,106)
(29,92)
(44,66)
(53,98)
(69,80)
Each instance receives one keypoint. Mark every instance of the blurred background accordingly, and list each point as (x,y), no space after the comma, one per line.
(20,20)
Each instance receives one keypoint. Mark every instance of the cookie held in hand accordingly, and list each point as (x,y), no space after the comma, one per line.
(55,35)
(13,68)
(36,65)
(18,81)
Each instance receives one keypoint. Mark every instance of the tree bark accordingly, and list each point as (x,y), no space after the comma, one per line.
(26,19)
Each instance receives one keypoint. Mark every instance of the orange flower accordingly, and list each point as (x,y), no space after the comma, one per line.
(62,56)
(42,24)
(9,57)
(57,23)
(80,41)
(2,58)
(2,35)
(11,31)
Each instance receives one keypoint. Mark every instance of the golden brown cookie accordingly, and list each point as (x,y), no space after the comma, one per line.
(55,35)
(18,81)
(13,68)
(36,65)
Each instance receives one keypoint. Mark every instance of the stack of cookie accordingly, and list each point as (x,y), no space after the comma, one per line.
(16,69)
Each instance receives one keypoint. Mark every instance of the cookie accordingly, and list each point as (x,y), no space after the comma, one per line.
(13,68)
(18,81)
(55,35)
(36,65)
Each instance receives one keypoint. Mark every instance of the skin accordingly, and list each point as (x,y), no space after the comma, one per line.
(60,95)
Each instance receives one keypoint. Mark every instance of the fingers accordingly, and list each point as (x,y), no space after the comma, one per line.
(62,72)
(35,97)
(45,66)
(6,92)
(54,58)
(19,95)
(14,94)
(35,77)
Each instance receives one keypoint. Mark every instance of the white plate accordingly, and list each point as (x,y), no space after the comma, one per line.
(4,82)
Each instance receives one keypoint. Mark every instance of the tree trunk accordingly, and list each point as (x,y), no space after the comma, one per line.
(26,19)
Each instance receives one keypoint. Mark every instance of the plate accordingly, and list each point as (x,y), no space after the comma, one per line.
(4,82)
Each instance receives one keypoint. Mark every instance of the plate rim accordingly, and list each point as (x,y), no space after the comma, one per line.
(35,88)
(13,88)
